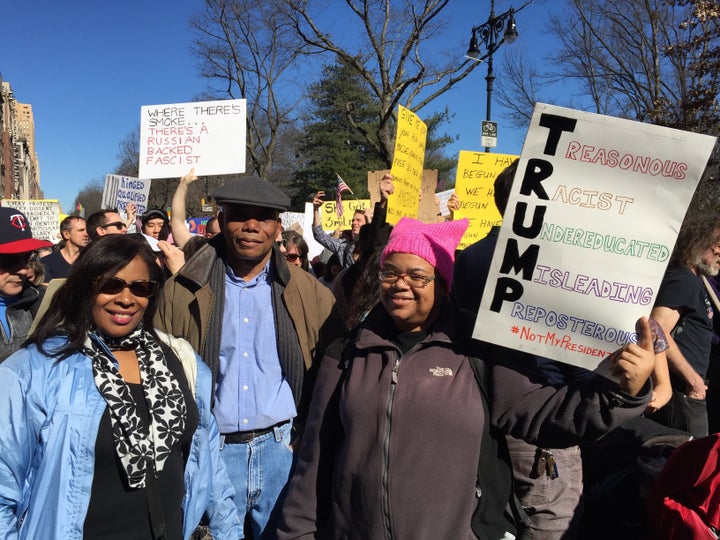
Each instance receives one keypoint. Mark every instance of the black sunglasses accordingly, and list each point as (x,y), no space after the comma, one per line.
(116,224)
(11,261)
(114,285)
(291,257)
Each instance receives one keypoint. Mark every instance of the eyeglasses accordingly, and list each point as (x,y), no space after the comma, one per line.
(416,281)
(117,224)
(114,285)
(291,257)
(12,261)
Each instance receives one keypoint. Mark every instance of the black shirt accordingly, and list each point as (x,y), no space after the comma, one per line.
(55,266)
(684,291)
(118,512)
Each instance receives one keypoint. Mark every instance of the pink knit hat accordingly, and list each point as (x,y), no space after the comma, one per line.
(434,242)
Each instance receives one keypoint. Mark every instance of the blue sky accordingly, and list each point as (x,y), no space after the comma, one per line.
(87,67)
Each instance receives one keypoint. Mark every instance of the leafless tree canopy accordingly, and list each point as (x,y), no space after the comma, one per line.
(247,50)
(392,46)
(129,155)
(653,61)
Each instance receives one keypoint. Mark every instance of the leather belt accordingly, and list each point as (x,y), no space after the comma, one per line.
(238,437)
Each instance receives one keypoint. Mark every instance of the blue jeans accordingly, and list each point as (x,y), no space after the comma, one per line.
(259,471)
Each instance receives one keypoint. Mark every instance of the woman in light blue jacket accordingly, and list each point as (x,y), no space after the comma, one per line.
(107,430)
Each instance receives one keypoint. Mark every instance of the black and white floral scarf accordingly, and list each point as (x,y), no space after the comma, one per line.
(166,406)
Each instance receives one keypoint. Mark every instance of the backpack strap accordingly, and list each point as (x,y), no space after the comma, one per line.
(498,510)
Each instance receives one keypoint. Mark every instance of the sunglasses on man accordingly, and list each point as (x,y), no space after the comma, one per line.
(119,225)
(12,261)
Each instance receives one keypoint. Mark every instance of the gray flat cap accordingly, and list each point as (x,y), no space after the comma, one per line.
(252,191)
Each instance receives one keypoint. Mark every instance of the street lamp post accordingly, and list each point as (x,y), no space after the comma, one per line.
(493,33)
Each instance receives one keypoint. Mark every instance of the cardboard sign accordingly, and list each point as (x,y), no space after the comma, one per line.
(207,135)
(427,209)
(407,166)
(120,190)
(43,215)
(591,222)
(474,180)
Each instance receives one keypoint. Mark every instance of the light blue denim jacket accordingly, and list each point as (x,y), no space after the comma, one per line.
(50,412)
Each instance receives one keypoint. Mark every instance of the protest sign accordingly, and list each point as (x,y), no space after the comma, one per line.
(474,180)
(427,210)
(292,220)
(444,197)
(207,135)
(407,166)
(314,248)
(43,215)
(197,225)
(120,190)
(329,219)
(591,222)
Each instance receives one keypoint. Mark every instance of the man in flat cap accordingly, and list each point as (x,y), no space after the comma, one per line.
(259,324)
(19,300)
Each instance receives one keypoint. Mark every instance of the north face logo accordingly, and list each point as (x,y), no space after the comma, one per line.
(441,372)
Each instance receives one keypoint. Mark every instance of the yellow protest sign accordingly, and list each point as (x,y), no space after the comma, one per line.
(407,166)
(476,173)
(330,221)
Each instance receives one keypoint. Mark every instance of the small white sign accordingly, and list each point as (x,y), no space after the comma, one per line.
(488,135)
(120,190)
(207,135)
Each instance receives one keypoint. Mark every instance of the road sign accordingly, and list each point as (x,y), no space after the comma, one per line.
(488,137)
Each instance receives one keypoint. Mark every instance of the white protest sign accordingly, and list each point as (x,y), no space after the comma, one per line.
(207,135)
(444,197)
(289,219)
(43,215)
(120,190)
(314,247)
(591,222)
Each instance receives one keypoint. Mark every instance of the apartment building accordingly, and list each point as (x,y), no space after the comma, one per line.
(19,166)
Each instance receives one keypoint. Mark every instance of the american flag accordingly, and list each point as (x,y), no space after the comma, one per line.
(341,186)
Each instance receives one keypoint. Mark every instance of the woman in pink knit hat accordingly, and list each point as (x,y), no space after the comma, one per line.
(400,439)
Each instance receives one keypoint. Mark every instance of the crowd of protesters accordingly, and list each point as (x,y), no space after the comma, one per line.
(160,384)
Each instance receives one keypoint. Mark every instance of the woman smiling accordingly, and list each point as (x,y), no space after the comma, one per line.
(108,431)
(398,425)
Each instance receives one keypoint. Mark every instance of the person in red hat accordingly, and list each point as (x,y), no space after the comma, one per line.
(19,299)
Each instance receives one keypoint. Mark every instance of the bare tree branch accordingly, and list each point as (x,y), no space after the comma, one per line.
(247,50)
(395,54)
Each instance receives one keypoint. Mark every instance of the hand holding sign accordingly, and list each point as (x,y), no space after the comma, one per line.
(130,210)
(387,187)
(631,365)
(189,178)
(636,362)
